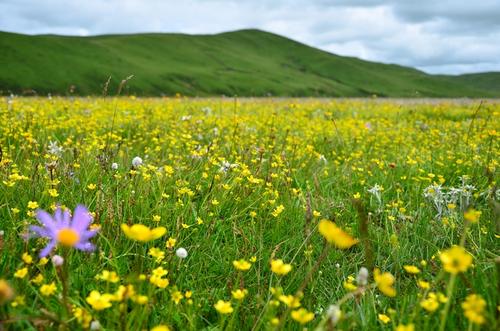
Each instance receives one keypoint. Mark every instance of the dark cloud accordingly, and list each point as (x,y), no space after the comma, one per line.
(446,36)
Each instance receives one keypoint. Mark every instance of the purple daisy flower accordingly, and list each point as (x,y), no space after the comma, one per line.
(64,229)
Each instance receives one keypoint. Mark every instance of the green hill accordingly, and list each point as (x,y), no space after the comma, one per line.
(244,63)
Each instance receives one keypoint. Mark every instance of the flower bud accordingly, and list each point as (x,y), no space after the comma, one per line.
(334,313)
(136,161)
(95,325)
(57,260)
(362,278)
(181,253)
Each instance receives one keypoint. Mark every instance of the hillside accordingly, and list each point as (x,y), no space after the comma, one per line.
(244,63)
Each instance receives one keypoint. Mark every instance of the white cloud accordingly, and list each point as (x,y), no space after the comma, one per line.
(449,36)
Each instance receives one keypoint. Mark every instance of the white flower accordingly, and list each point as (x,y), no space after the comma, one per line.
(181,253)
(114,166)
(55,149)
(136,161)
(334,313)
(95,325)
(207,110)
(226,166)
(57,260)
(2,232)
(376,190)
(362,278)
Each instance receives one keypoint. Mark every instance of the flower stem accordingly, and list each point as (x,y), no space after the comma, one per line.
(449,294)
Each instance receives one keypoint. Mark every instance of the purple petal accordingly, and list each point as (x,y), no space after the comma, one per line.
(86,235)
(46,219)
(66,219)
(48,248)
(38,231)
(58,215)
(85,246)
(81,219)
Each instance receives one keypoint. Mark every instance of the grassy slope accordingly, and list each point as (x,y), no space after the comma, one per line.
(246,62)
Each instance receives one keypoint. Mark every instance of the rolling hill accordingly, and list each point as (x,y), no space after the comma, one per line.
(244,63)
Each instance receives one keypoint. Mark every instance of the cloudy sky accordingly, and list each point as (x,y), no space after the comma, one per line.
(437,36)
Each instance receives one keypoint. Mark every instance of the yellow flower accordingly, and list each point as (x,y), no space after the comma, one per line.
(27,258)
(423,284)
(177,297)
(48,289)
(38,279)
(6,292)
(335,235)
(171,242)
(158,254)
(91,186)
(156,218)
(349,286)
(21,273)
(19,300)
(53,193)
(290,300)
(279,267)
(431,303)
(223,307)
(159,281)
(442,298)
(156,278)
(385,282)
(140,299)
(123,292)
(159,272)
(302,315)
(384,318)
(278,210)
(32,205)
(409,327)
(472,215)
(108,276)
(82,316)
(160,328)
(411,269)
(473,307)
(456,259)
(242,265)
(142,233)
(99,301)
(239,294)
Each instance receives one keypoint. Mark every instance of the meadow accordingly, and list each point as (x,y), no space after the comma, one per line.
(174,213)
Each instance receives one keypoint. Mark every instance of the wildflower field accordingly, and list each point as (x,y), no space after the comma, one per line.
(252,214)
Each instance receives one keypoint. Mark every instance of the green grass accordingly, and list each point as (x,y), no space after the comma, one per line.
(277,145)
(244,63)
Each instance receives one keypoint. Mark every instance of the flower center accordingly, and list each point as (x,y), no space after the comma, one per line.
(68,237)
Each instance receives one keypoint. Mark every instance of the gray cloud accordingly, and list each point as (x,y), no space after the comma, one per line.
(436,36)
